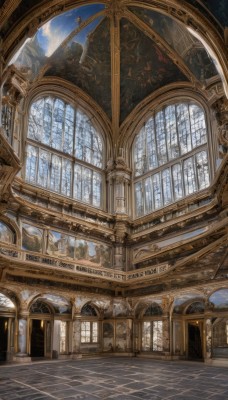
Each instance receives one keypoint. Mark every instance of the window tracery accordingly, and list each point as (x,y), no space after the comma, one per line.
(64,152)
(170,157)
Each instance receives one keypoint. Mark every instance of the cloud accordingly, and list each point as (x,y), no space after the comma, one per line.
(53,37)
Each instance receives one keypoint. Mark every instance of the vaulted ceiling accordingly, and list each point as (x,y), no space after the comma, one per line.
(118,52)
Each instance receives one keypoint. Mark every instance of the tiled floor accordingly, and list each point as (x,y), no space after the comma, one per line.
(113,378)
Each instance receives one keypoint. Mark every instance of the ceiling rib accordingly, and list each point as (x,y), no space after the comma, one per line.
(68,38)
(172,54)
(114,13)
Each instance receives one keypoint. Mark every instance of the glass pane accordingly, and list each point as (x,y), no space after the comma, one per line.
(55,179)
(47,120)
(198,125)
(97,151)
(177,181)
(97,185)
(88,137)
(86,185)
(66,177)
(31,164)
(148,195)
(146,336)
(138,199)
(156,183)
(140,153)
(94,332)
(183,127)
(79,135)
(43,169)
(88,146)
(157,336)
(68,130)
(77,182)
(58,124)
(171,129)
(202,170)
(166,185)
(151,145)
(35,127)
(161,138)
(85,332)
(189,176)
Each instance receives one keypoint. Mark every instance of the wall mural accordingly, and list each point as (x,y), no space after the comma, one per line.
(152,68)
(186,45)
(85,251)
(63,245)
(108,336)
(32,238)
(6,234)
(60,245)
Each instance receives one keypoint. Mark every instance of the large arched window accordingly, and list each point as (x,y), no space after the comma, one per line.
(64,151)
(170,157)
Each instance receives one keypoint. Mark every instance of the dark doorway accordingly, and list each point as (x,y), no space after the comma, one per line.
(3,337)
(194,342)
(37,338)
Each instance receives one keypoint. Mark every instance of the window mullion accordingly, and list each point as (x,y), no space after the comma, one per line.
(178,139)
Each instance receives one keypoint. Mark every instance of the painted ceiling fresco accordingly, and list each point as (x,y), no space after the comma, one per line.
(86,62)
(75,46)
(185,44)
(83,59)
(144,67)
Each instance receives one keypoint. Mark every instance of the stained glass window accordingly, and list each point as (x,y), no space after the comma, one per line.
(178,131)
(64,134)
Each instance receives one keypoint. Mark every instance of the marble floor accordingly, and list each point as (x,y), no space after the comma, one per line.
(113,378)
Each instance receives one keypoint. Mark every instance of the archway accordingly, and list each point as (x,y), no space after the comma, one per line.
(195,330)
(7,315)
(39,328)
(195,351)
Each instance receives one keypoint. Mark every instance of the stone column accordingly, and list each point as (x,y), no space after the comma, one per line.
(208,339)
(166,336)
(22,338)
(77,336)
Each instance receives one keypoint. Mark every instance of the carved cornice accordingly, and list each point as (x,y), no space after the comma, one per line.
(9,167)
